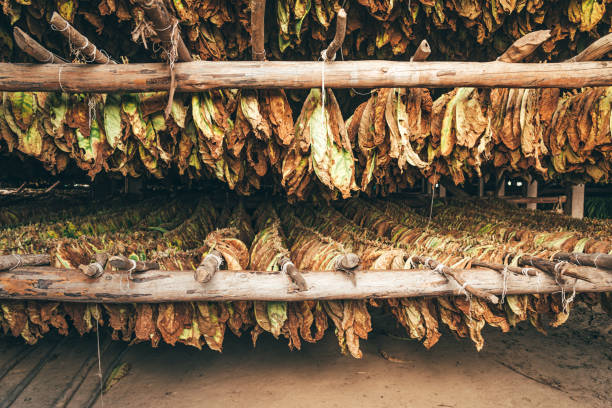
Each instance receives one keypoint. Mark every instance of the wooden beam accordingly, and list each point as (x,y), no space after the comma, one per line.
(163,24)
(8,262)
(258,13)
(31,47)
(596,260)
(524,46)
(45,283)
(595,51)
(330,53)
(78,40)
(422,52)
(535,200)
(203,75)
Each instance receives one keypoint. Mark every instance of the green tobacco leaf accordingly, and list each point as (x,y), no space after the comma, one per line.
(112,121)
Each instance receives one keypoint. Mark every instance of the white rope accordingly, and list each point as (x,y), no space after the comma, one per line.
(595,260)
(440,268)
(285,266)
(504,284)
(99,269)
(19,262)
(217,259)
(59,78)
(566,302)
(411,262)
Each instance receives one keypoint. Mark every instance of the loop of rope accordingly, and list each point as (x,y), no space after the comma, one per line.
(99,268)
(440,268)
(59,78)
(19,261)
(285,266)
(505,284)
(595,260)
(217,259)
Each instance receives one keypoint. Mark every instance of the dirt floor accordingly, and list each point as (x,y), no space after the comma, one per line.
(570,367)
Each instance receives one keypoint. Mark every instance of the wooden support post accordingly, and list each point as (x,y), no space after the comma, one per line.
(532,191)
(200,76)
(480,187)
(70,285)
(501,188)
(31,47)
(79,41)
(330,53)
(578,201)
(442,190)
(258,12)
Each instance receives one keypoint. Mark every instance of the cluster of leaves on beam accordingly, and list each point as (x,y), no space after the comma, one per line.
(300,29)
(180,232)
(246,138)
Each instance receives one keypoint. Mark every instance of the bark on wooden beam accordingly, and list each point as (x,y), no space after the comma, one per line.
(536,200)
(203,75)
(258,13)
(45,283)
(330,52)
(422,52)
(596,260)
(31,47)
(524,46)
(78,41)
(163,24)
(595,51)
(8,262)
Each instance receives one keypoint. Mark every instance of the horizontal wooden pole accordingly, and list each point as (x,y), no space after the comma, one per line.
(536,200)
(202,75)
(45,283)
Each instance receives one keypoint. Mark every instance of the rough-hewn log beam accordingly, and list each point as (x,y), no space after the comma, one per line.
(16,260)
(202,75)
(524,46)
(44,283)
(334,46)
(78,41)
(258,13)
(164,23)
(31,47)
(595,51)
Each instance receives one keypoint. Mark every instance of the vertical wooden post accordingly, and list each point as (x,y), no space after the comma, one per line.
(578,201)
(442,190)
(532,191)
(501,189)
(480,187)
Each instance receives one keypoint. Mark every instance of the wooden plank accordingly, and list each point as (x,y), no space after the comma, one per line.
(45,283)
(202,75)
(536,200)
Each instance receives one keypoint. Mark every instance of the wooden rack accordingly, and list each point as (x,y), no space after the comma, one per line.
(203,75)
(71,285)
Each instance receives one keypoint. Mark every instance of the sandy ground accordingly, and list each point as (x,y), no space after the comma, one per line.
(570,367)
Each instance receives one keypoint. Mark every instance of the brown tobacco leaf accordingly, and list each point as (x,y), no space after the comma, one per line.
(145,328)
(171,320)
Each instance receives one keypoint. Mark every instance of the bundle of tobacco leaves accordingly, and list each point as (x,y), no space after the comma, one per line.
(179,232)
(300,29)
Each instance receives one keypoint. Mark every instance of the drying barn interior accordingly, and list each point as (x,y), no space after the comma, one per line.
(396,181)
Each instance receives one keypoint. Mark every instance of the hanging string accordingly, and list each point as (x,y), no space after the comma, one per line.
(99,362)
